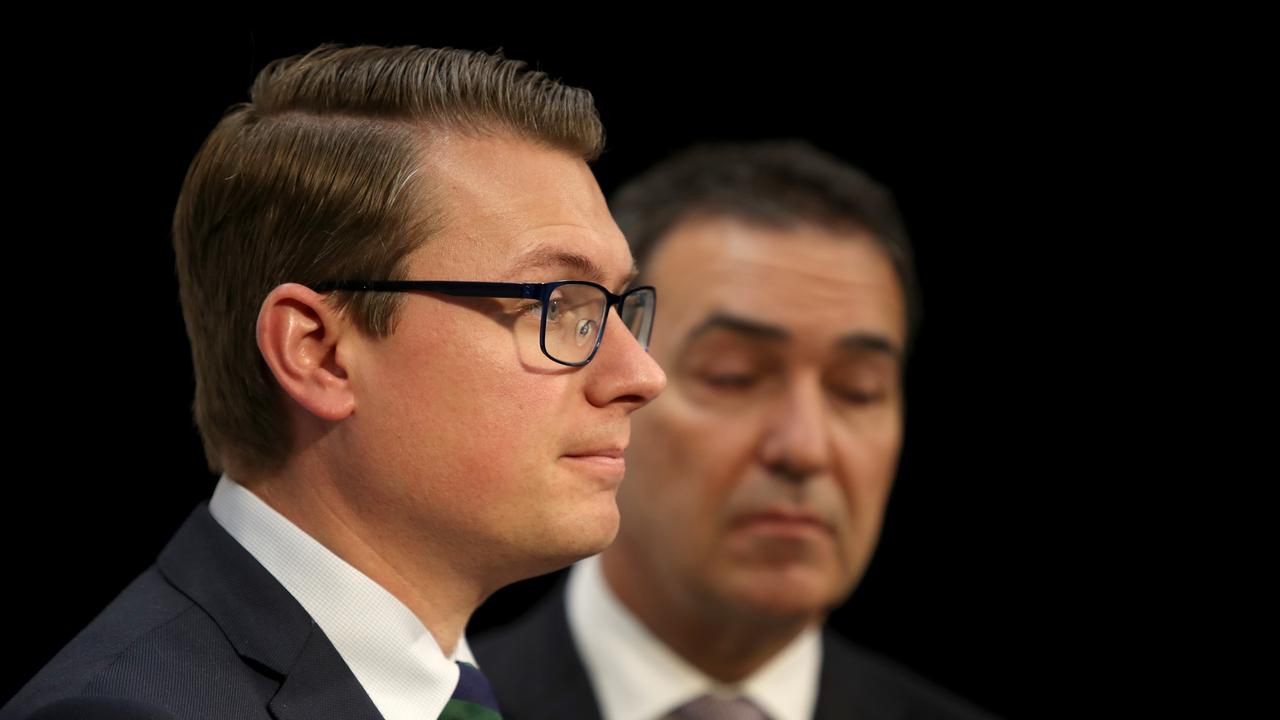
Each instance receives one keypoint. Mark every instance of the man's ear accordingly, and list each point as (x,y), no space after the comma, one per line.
(300,336)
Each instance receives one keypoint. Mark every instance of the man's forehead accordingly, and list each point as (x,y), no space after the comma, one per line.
(739,247)
(504,180)
(834,340)
(510,209)
(804,284)
(580,266)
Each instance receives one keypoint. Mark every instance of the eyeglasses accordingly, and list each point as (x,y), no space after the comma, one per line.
(574,312)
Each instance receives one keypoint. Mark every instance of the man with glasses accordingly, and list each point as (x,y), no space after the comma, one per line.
(758,481)
(416,354)
(572,313)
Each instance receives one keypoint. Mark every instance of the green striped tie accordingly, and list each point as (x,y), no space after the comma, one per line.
(473,698)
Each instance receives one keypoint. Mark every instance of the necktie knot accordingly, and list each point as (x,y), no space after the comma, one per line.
(710,707)
(473,698)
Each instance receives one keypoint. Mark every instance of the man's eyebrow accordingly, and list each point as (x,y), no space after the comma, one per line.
(772,333)
(870,341)
(581,266)
(738,325)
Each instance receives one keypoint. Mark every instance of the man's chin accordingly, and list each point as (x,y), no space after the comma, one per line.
(590,535)
(784,594)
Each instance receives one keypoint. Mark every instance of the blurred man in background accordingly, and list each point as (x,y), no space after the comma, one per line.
(758,482)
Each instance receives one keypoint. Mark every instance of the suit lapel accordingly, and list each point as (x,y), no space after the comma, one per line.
(264,623)
(320,685)
(848,689)
(260,618)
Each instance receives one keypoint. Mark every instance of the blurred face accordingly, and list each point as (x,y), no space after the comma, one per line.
(758,481)
(466,435)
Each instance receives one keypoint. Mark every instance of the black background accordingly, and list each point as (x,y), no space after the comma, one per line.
(990,144)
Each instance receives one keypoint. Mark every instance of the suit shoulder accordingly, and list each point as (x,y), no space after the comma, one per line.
(139,653)
(849,668)
(147,603)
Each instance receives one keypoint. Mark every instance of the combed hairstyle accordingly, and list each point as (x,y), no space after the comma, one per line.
(779,184)
(325,174)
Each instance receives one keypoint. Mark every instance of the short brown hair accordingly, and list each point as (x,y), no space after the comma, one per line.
(780,184)
(318,178)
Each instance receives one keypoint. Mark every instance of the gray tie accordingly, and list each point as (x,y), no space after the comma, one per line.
(710,707)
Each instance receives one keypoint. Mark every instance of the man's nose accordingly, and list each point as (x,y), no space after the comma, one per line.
(622,370)
(797,440)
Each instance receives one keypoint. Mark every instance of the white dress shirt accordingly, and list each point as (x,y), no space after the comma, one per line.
(637,677)
(394,657)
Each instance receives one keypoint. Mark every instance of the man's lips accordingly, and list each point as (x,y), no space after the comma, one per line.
(607,461)
(784,521)
(608,452)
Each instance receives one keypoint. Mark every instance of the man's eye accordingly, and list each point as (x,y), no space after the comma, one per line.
(854,396)
(535,308)
(731,381)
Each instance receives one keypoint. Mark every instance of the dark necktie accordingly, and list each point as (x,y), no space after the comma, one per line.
(709,707)
(473,698)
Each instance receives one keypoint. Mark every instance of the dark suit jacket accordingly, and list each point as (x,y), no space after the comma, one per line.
(206,632)
(537,674)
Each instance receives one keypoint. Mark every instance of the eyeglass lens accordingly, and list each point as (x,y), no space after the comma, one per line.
(575,313)
(637,313)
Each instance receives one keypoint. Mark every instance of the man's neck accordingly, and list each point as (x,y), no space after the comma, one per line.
(440,597)
(725,645)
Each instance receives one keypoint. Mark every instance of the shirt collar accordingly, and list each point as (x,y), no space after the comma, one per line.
(394,657)
(637,677)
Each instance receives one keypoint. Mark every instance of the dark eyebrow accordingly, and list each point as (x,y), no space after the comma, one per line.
(772,333)
(870,341)
(583,267)
(741,326)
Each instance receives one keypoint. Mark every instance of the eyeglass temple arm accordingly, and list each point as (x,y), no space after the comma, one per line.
(458,288)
